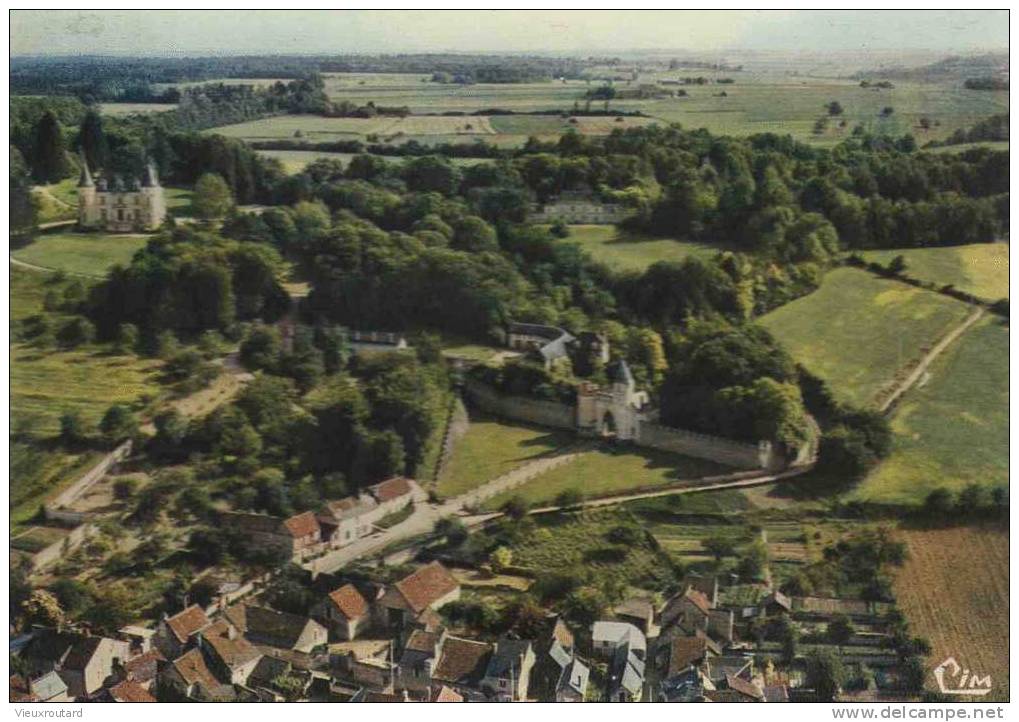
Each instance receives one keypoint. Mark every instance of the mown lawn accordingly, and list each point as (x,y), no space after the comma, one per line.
(631,252)
(608,470)
(491,448)
(87,254)
(858,331)
(980,269)
(953,430)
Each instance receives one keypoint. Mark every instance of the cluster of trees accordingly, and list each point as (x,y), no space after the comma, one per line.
(994,128)
(986,83)
(189,281)
(857,565)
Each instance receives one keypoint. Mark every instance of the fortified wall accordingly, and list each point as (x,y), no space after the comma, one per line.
(762,455)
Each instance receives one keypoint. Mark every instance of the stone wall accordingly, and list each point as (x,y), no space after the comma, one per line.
(703,446)
(519,408)
(60,549)
(91,477)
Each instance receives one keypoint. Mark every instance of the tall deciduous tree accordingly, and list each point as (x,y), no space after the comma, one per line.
(22,205)
(213,198)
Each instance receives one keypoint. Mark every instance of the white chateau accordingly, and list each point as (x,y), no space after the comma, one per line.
(118,206)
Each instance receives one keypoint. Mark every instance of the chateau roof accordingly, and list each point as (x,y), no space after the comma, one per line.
(85,180)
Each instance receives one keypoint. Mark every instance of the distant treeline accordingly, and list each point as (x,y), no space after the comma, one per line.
(104,78)
(986,83)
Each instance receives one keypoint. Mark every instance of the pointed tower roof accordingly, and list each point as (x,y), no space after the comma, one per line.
(85,181)
(150,179)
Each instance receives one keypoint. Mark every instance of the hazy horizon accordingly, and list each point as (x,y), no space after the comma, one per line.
(317,32)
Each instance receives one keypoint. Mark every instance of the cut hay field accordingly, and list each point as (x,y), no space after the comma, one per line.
(491,448)
(626,251)
(858,332)
(294,161)
(86,254)
(980,269)
(120,109)
(606,471)
(954,591)
(952,430)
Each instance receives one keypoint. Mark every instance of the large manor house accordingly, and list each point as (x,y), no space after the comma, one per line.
(119,206)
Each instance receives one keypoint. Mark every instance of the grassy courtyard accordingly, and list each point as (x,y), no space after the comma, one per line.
(630,252)
(953,430)
(980,269)
(491,448)
(608,470)
(86,254)
(857,331)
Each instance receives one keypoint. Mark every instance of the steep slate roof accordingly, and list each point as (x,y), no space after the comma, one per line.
(193,670)
(619,373)
(301,525)
(509,655)
(232,652)
(50,646)
(184,624)
(620,633)
(349,602)
(426,586)
(575,677)
(391,489)
(462,661)
(268,669)
(130,691)
(627,671)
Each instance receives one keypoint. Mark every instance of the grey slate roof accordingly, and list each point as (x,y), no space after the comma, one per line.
(627,672)
(508,655)
(619,373)
(575,677)
(49,686)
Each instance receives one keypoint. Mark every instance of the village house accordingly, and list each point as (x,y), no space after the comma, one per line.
(367,664)
(392,495)
(572,686)
(417,662)
(427,588)
(689,609)
(277,629)
(577,206)
(626,675)
(230,655)
(461,665)
(607,637)
(345,611)
(442,693)
(189,677)
(376,341)
(346,520)
(640,613)
(50,687)
(91,662)
(292,536)
(130,691)
(548,344)
(680,664)
(508,672)
(143,668)
(174,634)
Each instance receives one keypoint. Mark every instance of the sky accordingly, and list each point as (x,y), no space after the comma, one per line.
(196,32)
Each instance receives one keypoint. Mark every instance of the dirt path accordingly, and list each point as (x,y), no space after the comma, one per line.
(926,361)
(44,269)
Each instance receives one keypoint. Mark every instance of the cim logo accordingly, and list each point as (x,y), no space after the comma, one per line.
(953,679)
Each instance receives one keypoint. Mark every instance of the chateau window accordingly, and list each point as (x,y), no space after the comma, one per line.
(120,214)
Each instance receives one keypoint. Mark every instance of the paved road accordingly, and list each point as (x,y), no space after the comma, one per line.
(425,515)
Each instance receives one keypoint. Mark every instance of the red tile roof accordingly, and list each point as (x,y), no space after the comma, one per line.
(426,586)
(462,660)
(699,599)
(302,525)
(745,688)
(349,602)
(193,670)
(130,691)
(228,644)
(391,489)
(143,667)
(186,623)
(685,651)
(445,694)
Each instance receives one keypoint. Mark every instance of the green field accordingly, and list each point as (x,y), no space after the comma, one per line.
(45,383)
(57,202)
(490,448)
(87,254)
(952,430)
(980,269)
(606,471)
(630,252)
(857,331)
(758,102)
